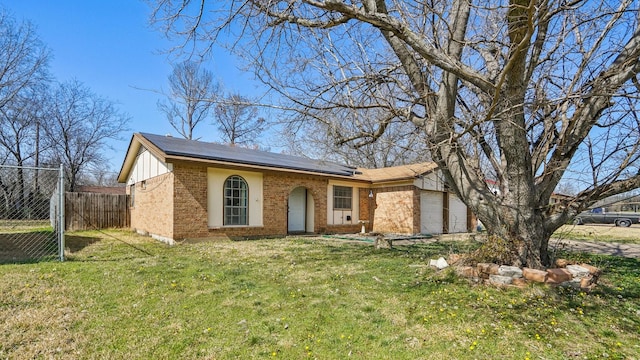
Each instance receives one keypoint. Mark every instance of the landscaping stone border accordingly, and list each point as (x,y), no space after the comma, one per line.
(566,273)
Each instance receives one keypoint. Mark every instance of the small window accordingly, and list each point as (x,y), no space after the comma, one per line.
(236,195)
(342,197)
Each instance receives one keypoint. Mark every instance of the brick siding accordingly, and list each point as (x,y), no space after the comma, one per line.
(367,205)
(276,190)
(152,210)
(174,205)
(190,201)
(417,219)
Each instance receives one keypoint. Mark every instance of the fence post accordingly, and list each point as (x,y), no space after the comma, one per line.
(61,224)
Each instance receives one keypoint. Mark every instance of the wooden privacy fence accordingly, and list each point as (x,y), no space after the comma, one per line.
(88,211)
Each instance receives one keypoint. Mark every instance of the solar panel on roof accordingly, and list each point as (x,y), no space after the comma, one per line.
(211,151)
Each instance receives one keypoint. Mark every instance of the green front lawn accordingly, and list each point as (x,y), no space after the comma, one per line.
(121,296)
(600,233)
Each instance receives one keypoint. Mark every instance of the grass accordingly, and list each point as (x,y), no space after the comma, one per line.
(122,296)
(600,232)
(17,226)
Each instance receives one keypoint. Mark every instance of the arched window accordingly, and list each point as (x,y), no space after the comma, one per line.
(236,195)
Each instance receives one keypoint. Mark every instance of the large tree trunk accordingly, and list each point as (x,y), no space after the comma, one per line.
(523,242)
(514,219)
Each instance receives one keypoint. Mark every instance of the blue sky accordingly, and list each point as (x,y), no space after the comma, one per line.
(110,47)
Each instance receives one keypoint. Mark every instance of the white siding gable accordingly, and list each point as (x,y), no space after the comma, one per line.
(147,166)
(432,181)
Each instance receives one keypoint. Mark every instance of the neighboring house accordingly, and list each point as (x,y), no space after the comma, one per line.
(186,189)
(625,202)
(628,204)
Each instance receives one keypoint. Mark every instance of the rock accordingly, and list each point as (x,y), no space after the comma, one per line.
(519,282)
(441,263)
(454,258)
(488,268)
(557,276)
(382,243)
(562,263)
(587,281)
(592,269)
(577,271)
(570,284)
(500,280)
(482,267)
(467,271)
(535,275)
(493,269)
(511,271)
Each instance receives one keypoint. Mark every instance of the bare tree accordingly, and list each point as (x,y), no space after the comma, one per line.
(79,125)
(237,118)
(19,142)
(18,120)
(23,76)
(99,175)
(525,92)
(402,142)
(23,80)
(192,92)
(23,58)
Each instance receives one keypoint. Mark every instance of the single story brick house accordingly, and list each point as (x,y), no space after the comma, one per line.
(186,189)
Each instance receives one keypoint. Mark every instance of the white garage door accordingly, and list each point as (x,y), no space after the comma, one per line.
(457,215)
(431,212)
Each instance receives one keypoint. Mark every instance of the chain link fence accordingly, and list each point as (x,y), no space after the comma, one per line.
(31,223)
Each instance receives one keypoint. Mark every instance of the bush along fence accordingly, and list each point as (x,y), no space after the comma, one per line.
(90,211)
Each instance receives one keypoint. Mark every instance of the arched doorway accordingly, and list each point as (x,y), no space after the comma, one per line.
(300,211)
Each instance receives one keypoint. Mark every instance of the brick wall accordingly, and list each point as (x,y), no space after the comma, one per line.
(277,187)
(343,229)
(174,205)
(190,201)
(416,211)
(397,210)
(367,204)
(152,210)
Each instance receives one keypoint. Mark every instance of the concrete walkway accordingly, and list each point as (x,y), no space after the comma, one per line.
(601,248)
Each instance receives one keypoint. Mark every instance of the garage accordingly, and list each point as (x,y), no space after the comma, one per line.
(457,215)
(431,210)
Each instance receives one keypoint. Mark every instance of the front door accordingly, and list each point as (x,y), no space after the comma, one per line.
(297,216)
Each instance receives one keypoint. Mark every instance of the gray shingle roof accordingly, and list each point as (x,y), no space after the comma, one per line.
(210,151)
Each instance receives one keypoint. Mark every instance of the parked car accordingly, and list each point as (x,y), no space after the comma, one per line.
(601,216)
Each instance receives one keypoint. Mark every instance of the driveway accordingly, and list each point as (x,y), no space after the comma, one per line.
(595,231)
